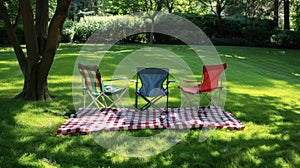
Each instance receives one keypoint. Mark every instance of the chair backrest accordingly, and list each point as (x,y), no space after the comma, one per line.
(152,80)
(91,78)
(211,77)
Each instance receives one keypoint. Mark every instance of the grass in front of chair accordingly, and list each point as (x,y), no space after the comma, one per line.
(262,92)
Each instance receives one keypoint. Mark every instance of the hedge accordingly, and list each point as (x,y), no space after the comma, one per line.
(235,30)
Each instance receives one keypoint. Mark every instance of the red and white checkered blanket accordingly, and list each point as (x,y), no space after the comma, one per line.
(93,120)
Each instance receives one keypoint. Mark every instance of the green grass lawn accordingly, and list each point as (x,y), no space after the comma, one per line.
(263,88)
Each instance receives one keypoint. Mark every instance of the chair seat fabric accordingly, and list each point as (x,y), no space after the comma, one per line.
(152,87)
(210,83)
(154,92)
(196,89)
(94,87)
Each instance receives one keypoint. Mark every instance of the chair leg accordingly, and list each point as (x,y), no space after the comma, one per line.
(188,100)
(96,101)
(211,99)
(84,98)
(136,100)
(104,100)
(147,105)
(152,103)
(167,105)
(118,99)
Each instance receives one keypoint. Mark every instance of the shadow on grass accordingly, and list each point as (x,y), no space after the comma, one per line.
(271,139)
(9,109)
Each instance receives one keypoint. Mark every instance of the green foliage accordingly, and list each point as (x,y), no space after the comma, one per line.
(12,7)
(109,28)
(119,7)
(295,15)
(245,31)
(68,31)
(207,23)
(87,26)
(231,28)
(229,41)
(286,39)
(4,38)
(81,8)
(237,30)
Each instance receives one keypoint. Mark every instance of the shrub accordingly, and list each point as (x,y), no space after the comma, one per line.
(4,37)
(108,28)
(230,29)
(120,28)
(68,31)
(207,23)
(87,26)
(286,39)
(255,31)
(236,30)
(229,41)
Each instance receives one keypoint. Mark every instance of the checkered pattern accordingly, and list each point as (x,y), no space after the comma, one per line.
(92,78)
(93,120)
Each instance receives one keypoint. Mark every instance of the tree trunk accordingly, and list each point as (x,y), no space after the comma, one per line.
(170,5)
(276,12)
(152,30)
(30,83)
(219,9)
(286,14)
(13,37)
(41,44)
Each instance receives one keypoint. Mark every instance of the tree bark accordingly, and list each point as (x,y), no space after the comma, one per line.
(30,92)
(276,12)
(286,14)
(219,8)
(51,46)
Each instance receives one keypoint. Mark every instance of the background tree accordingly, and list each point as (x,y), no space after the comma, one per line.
(152,8)
(81,8)
(216,6)
(276,12)
(170,4)
(234,7)
(286,11)
(295,14)
(41,41)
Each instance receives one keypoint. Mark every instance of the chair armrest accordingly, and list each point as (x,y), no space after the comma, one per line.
(115,79)
(117,82)
(133,81)
(190,81)
(170,81)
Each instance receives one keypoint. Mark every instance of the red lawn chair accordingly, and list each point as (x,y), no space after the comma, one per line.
(210,86)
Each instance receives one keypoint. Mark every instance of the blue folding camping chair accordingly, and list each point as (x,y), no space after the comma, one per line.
(154,84)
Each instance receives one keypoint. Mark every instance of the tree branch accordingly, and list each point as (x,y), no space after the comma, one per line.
(29,33)
(17,20)
(54,30)
(41,25)
(13,38)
